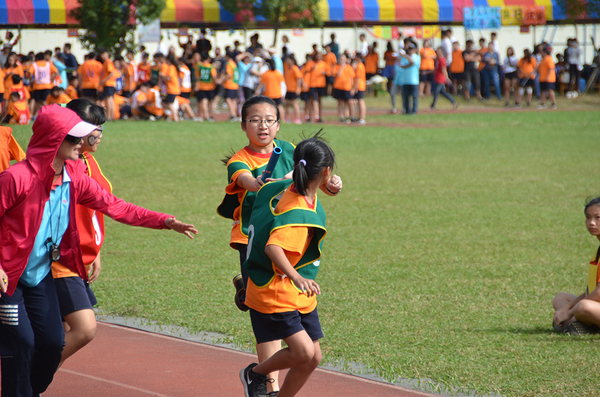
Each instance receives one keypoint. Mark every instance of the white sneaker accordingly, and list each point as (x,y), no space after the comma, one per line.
(152,118)
(575,94)
(542,106)
(569,95)
(362,121)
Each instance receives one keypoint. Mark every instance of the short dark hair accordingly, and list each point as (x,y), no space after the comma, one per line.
(255,100)
(88,111)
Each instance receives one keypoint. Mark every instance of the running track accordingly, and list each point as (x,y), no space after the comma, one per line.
(123,361)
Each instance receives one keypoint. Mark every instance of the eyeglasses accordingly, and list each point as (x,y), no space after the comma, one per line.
(267,122)
(92,139)
(73,139)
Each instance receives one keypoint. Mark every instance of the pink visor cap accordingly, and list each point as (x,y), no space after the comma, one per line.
(62,120)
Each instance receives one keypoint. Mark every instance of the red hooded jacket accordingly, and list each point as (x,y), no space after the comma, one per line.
(25,188)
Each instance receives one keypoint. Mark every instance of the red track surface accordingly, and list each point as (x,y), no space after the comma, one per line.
(123,361)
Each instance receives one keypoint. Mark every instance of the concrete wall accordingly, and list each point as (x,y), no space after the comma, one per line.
(347,38)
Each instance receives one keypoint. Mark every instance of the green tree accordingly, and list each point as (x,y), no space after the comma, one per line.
(277,13)
(111,24)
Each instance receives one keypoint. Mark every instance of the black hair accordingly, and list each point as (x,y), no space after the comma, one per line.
(39,56)
(204,56)
(88,111)
(25,58)
(153,81)
(15,96)
(590,202)
(271,63)
(48,53)
(16,79)
(72,78)
(255,100)
(311,156)
(55,90)
(68,45)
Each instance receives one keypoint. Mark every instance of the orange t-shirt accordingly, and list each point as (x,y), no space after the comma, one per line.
(10,149)
(202,85)
(118,100)
(107,68)
(317,75)
(8,83)
(291,77)
(458,62)
(71,92)
(229,84)
(272,80)
(90,73)
(343,80)
(153,104)
(361,76)
(389,58)
(173,87)
(129,78)
(526,69)
(371,63)
(62,98)
(42,72)
(482,52)
(547,70)
(306,72)
(331,61)
(18,112)
(280,295)
(427,59)
(144,72)
(21,89)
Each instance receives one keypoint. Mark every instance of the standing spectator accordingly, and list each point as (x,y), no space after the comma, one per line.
(440,79)
(44,73)
(457,68)
(206,74)
(285,48)
(510,75)
(69,60)
(397,82)
(334,46)
(494,42)
(363,45)
(342,88)
(427,67)
(89,76)
(6,50)
(447,45)
(10,68)
(390,57)
(173,87)
(491,60)
(537,53)
(144,69)
(371,62)
(305,93)
(254,45)
(107,84)
(526,73)
(203,44)
(471,75)
(360,85)
(573,59)
(273,83)
(331,60)
(231,84)
(547,77)
(61,79)
(318,83)
(411,63)
(130,75)
(244,64)
(293,82)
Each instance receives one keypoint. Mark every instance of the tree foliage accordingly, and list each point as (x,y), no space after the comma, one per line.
(580,9)
(111,24)
(276,13)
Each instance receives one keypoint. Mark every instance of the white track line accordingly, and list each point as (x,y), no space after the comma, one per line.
(112,382)
(241,353)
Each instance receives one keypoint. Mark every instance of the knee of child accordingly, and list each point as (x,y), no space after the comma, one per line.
(584,307)
(305,354)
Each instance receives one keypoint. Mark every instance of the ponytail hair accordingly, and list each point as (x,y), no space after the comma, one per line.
(311,156)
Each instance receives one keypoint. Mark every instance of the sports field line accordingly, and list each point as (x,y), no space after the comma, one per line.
(112,382)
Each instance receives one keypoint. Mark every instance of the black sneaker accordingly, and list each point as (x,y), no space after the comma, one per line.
(240,290)
(579,328)
(255,385)
(273,394)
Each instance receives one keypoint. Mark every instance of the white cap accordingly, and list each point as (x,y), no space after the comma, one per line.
(82,129)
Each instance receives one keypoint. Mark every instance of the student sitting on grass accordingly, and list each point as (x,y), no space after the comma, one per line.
(17,110)
(58,96)
(580,315)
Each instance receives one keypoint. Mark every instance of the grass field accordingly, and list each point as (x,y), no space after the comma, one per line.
(450,239)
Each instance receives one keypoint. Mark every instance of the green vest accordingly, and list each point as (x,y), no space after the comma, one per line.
(204,72)
(236,73)
(264,221)
(231,201)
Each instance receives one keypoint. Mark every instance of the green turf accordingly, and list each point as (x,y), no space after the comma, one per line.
(444,250)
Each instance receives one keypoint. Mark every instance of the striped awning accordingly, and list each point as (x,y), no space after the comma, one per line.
(32,12)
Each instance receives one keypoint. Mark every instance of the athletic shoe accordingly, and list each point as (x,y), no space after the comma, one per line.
(562,330)
(199,119)
(578,328)
(210,119)
(240,289)
(298,122)
(542,106)
(362,121)
(575,94)
(518,106)
(554,106)
(569,95)
(273,394)
(233,119)
(255,385)
(152,118)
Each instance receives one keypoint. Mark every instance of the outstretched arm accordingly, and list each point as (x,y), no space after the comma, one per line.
(180,227)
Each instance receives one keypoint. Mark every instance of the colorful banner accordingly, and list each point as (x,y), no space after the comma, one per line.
(512,16)
(534,16)
(482,18)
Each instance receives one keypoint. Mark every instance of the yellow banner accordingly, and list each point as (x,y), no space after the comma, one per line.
(512,15)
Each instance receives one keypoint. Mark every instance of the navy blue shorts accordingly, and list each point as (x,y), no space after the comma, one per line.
(200,95)
(40,95)
(341,95)
(185,95)
(88,93)
(277,326)
(278,101)
(290,96)
(231,94)
(359,95)
(316,92)
(547,86)
(457,76)
(170,98)
(426,76)
(109,91)
(304,96)
(74,294)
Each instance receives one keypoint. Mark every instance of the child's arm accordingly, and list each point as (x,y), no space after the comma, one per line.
(246,181)
(333,186)
(565,313)
(277,255)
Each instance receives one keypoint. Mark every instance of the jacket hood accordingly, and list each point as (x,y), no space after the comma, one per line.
(50,128)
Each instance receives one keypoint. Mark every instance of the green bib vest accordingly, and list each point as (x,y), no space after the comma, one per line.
(231,201)
(204,72)
(264,221)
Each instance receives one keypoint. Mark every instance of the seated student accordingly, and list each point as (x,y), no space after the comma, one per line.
(71,90)
(138,101)
(18,110)
(153,101)
(580,315)
(19,87)
(183,103)
(122,109)
(57,95)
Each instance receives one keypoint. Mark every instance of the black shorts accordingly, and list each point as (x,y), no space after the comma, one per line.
(200,95)
(231,94)
(220,91)
(170,98)
(290,96)
(40,95)
(342,95)
(277,101)
(277,326)
(89,93)
(359,95)
(547,86)
(74,294)
(185,95)
(109,92)
(316,92)
(304,96)
(426,76)
(528,83)
(127,94)
(368,76)
(457,76)
(511,75)
(329,80)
